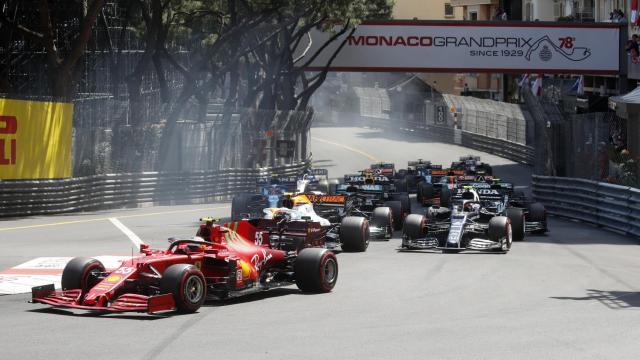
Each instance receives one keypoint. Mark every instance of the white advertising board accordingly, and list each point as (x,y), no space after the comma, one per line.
(456,46)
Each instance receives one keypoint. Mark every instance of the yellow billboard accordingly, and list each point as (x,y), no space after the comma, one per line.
(35,139)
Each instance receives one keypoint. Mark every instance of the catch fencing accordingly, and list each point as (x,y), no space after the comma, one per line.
(613,207)
(40,197)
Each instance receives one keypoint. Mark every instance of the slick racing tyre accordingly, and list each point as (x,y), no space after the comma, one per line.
(315,270)
(354,234)
(240,206)
(400,185)
(500,230)
(405,201)
(187,285)
(382,218)
(414,226)
(445,197)
(81,273)
(396,213)
(537,213)
(425,192)
(516,216)
(410,180)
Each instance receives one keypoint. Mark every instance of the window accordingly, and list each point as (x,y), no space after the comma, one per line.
(448,10)
(473,16)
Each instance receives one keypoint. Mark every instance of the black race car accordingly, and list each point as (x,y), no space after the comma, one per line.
(477,220)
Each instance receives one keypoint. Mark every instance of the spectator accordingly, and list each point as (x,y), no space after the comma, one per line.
(632,46)
(621,17)
(498,15)
(504,16)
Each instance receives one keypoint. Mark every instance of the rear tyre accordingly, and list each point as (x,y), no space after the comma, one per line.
(81,273)
(516,217)
(414,226)
(240,206)
(396,213)
(445,197)
(410,180)
(400,185)
(354,234)
(500,230)
(537,212)
(425,192)
(382,218)
(187,285)
(316,270)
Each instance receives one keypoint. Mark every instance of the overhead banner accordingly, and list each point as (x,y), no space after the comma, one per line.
(35,139)
(467,47)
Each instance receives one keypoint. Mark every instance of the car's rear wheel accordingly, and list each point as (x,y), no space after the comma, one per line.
(425,192)
(537,213)
(414,226)
(500,230)
(354,234)
(400,185)
(81,273)
(516,216)
(445,197)
(316,270)
(187,285)
(382,218)
(396,213)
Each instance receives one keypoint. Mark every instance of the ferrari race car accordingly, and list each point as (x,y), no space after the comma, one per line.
(370,191)
(472,165)
(272,190)
(233,260)
(472,223)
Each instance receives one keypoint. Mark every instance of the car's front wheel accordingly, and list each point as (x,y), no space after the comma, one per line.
(81,273)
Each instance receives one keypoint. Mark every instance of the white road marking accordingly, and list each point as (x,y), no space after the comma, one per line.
(45,270)
(130,234)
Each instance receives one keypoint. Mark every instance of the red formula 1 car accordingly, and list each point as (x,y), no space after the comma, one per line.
(232,263)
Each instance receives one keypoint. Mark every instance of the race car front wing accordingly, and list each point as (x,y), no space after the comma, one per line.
(47,294)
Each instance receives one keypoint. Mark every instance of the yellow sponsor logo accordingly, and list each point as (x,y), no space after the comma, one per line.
(198,264)
(35,139)
(113,278)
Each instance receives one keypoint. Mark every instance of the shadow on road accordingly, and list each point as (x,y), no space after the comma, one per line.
(612,299)
(128,316)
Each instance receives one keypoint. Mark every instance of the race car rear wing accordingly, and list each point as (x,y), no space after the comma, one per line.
(367,179)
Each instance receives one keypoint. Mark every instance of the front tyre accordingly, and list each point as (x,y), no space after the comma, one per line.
(316,270)
(187,285)
(500,230)
(81,273)
(516,216)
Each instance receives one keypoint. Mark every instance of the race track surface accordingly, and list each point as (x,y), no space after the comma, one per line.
(572,294)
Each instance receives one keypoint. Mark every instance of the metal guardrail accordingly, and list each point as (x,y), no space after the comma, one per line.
(39,197)
(614,207)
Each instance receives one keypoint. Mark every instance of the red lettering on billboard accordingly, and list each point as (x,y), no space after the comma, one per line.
(8,125)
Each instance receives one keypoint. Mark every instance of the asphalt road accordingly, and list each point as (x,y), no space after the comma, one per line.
(570,295)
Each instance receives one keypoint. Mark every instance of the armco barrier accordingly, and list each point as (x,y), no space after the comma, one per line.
(38,197)
(614,207)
